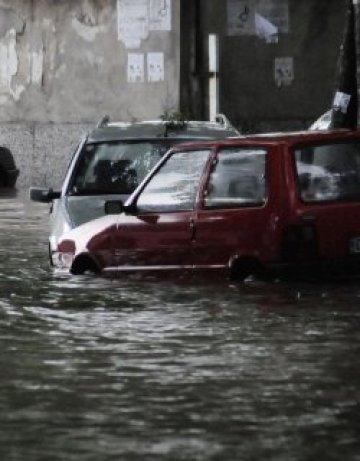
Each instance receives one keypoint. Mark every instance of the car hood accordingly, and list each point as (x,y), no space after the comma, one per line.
(80,210)
(83,234)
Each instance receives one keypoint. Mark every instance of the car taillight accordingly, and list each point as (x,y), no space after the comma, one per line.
(300,242)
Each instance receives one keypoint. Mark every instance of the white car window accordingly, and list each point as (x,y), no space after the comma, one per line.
(329,172)
(238,179)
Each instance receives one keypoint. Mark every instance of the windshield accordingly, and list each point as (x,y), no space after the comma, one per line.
(114,167)
(329,172)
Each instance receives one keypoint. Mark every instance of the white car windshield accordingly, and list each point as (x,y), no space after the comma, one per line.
(114,167)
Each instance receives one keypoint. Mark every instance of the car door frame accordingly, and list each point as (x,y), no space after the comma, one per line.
(179,223)
(274,210)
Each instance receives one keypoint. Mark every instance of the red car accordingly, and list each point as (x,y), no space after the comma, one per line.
(267,204)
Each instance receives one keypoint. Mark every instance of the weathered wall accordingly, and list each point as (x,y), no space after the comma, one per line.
(42,150)
(63,65)
(277,59)
(287,81)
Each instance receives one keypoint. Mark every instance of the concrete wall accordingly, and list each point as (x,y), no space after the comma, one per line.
(42,151)
(65,64)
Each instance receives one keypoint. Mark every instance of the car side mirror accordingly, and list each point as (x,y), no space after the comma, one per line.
(114,207)
(43,195)
(118,207)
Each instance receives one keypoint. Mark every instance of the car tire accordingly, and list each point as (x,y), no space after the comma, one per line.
(248,266)
(84,265)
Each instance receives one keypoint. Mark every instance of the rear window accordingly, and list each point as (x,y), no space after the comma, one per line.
(329,172)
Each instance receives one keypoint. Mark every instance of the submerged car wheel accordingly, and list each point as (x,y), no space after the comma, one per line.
(84,265)
(248,266)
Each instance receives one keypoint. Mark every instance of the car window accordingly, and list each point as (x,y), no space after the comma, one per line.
(115,167)
(329,172)
(174,185)
(238,179)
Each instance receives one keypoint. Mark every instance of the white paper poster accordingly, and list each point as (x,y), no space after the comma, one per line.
(264,18)
(341,101)
(284,71)
(137,17)
(265,29)
(155,67)
(276,12)
(133,21)
(160,14)
(135,68)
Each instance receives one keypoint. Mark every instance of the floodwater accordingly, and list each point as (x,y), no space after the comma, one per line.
(95,370)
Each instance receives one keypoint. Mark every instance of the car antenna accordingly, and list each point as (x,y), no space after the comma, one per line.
(103,121)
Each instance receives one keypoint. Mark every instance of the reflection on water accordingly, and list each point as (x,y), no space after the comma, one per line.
(96,369)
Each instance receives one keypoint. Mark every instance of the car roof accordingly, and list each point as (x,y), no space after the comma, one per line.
(290,138)
(160,129)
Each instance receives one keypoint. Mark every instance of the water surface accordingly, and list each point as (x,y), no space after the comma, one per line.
(94,369)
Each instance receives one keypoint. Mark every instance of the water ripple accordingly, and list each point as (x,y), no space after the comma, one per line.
(127,369)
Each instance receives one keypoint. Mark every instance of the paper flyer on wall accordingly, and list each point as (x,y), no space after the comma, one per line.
(133,21)
(160,14)
(257,17)
(155,67)
(135,68)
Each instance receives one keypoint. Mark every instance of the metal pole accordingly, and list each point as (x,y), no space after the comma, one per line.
(213,76)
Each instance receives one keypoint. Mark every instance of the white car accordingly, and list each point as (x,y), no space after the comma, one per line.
(110,163)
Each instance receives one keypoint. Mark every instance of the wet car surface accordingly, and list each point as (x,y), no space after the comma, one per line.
(111,161)
(262,205)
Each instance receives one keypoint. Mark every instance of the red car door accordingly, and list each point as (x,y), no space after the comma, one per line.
(240,213)
(154,241)
(158,236)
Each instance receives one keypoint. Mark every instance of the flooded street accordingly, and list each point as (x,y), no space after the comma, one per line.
(95,370)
